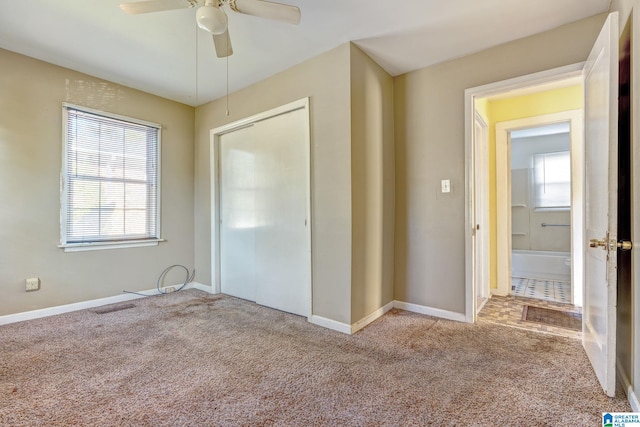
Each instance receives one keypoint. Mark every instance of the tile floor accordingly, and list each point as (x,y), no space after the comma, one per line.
(507,311)
(547,290)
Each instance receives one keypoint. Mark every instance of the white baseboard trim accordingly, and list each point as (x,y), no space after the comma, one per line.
(633,400)
(67,308)
(330,324)
(430,311)
(352,329)
(205,288)
(483,303)
(346,328)
(628,388)
(371,317)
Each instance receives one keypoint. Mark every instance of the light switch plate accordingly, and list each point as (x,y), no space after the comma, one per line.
(445,185)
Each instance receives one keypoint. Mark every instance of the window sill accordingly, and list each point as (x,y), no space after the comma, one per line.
(96,246)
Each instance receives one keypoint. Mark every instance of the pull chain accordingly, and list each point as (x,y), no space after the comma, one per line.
(196,96)
(227,97)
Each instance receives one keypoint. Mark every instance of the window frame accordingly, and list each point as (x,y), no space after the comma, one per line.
(534,186)
(64,186)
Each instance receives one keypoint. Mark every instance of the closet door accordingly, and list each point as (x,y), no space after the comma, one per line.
(238,214)
(264,235)
(283,270)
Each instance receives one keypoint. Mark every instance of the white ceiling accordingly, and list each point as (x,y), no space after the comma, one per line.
(157,52)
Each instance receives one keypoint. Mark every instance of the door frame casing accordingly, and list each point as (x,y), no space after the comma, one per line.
(214,167)
(503,195)
(481,209)
(633,389)
(471,94)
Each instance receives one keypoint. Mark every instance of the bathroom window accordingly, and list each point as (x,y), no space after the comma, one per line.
(552,181)
(110,175)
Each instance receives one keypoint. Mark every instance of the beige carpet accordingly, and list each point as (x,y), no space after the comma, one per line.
(194,359)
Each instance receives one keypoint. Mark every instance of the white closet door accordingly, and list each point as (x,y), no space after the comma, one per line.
(238,214)
(283,271)
(264,239)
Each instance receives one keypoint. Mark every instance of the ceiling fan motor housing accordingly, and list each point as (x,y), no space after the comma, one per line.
(212,19)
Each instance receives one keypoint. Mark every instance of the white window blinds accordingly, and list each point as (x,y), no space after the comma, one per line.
(110,178)
(552,180)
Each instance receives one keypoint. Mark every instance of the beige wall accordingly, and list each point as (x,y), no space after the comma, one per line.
(373,185)
(31,96)
(325,79)
(429,133)
(624,8)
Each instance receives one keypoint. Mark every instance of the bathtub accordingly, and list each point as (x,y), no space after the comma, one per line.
(541,265)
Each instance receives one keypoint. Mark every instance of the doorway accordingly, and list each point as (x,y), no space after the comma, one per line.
(534,219)
(476,101)
(539,207)
(594,219)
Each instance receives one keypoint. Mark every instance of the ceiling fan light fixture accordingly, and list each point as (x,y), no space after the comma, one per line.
(212,19)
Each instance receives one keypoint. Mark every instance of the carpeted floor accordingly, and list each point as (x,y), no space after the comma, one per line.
(194,359)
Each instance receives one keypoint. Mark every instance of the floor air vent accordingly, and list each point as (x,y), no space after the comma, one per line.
(547,316)
(113,308)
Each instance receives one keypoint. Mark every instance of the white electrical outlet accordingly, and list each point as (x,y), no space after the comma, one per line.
(33,284)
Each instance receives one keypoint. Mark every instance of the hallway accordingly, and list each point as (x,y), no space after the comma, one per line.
(508,311)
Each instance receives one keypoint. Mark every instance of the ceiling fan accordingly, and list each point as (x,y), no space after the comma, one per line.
(211,17)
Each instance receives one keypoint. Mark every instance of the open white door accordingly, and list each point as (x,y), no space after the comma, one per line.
(601,203)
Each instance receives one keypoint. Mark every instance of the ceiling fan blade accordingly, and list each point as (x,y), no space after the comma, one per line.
(148,6)
(222,43)
(267,9)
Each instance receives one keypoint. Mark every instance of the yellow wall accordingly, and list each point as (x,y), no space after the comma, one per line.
(501,110)
(552,101)
(482,107)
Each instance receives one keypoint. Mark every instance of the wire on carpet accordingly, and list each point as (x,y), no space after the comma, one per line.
(188,279)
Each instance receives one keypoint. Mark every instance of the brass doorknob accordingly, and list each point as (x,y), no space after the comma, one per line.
(625,245)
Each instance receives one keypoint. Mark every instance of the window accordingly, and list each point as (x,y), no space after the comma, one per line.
(110,175)
(552,180)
